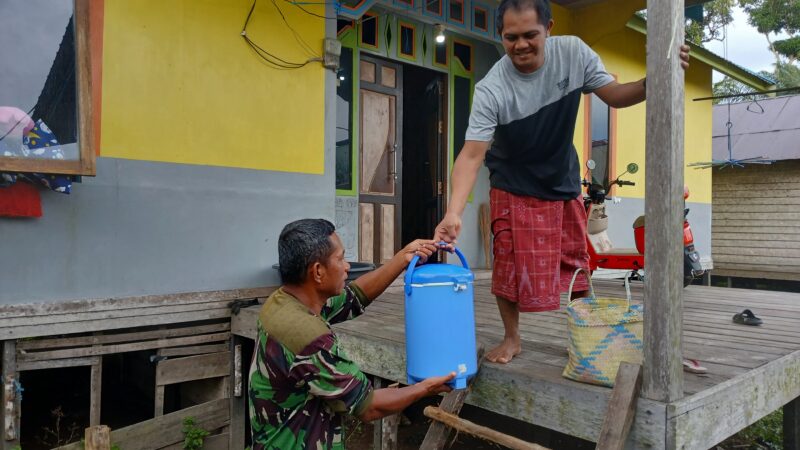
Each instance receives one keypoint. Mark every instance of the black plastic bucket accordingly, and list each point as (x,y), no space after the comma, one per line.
(356,269)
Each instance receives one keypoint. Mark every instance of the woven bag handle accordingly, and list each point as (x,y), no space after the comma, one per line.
(628,287)
(588,278)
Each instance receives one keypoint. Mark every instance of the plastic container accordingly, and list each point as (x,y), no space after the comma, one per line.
(440,322)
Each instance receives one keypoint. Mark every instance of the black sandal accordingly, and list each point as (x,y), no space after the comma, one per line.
(747,317)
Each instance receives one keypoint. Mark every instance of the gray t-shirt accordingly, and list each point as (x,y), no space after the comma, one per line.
(531,118)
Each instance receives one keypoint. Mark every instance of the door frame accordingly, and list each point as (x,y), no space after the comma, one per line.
(396,163)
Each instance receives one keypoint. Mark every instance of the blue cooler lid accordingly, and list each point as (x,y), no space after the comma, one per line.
(441,273)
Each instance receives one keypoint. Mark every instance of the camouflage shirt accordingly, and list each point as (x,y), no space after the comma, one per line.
(301,382)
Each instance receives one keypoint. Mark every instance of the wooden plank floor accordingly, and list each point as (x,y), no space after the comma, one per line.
(710,336)
(752,370)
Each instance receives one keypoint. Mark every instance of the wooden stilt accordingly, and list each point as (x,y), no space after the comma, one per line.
(10,399)
(98,437)
(385,429)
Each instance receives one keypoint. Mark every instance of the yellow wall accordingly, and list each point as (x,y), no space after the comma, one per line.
(623,53)
(180,85)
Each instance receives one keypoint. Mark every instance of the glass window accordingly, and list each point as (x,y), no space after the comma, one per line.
(344,121)
(600,141)
(40,126)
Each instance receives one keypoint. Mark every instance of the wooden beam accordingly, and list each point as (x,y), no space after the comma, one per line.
(562,406)
(621,407)
(384,430)
(238,425)
(167,430)
(115,338)
(708,417)
(122,348)
(191,368)
(476,430)
(791,425)
(663,296)
(23,366)
(97,437)
(11,402)
(95,396)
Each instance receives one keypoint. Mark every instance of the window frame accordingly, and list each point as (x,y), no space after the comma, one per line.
(86,162)
(612,137)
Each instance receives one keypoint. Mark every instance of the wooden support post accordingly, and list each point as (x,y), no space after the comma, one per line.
(96,388)
(791,425)
(238,399)
(11,401)
(482,432)
(385,430)
(621,408)
(98,437)
(663,293)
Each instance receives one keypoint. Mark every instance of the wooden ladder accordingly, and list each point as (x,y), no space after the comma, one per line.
(618,420)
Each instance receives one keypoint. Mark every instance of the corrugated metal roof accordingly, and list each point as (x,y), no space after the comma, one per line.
(768,128)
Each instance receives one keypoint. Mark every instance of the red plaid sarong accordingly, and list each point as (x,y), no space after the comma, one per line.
(538,244)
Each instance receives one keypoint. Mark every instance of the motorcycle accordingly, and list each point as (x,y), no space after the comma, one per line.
(603,253)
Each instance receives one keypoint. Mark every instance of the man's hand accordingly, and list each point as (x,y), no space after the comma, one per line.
(684,55)
(448,230)
(423,248)
(436,385)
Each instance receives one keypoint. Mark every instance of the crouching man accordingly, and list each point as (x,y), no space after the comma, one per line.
(301,382)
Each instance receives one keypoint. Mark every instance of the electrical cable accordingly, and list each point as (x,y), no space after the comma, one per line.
(297,37)
(268,57)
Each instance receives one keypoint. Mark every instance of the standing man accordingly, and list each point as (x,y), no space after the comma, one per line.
(301,382)
(525,109)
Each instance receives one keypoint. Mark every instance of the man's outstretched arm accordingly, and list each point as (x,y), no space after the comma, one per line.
(465,171)
(622,95)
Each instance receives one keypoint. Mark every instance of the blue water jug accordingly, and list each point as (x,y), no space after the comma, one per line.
(440,322)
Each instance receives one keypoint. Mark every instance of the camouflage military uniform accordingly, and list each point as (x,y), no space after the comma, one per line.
(301,383)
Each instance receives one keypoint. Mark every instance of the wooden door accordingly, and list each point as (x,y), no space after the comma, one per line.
(380,159)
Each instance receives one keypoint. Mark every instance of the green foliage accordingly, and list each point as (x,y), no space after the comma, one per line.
(777,16)
(767,433)
(194,436)
(716,14)
(788,47)
(773,16)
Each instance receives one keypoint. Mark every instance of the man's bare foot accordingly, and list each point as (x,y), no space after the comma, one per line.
(504,352)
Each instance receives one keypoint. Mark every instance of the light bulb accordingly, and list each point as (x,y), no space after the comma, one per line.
(438,31)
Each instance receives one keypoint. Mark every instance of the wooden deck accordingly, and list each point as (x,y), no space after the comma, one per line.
(752,370)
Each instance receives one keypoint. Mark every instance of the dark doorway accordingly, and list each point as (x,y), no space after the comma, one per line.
(424,151)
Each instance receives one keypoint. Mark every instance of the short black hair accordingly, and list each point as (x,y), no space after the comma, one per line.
(542,8)
(301,244)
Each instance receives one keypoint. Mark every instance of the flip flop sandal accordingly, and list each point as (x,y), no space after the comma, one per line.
(693,366)
(747,317)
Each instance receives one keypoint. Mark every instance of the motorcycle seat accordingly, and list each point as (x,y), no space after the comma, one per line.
(620,251)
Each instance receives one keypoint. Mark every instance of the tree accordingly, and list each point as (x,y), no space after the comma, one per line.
(775,17)
(716,14)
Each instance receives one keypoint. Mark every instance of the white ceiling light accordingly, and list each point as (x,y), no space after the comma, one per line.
(438,31)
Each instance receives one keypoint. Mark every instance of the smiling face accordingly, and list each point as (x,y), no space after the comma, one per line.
(335,269)
(524,38)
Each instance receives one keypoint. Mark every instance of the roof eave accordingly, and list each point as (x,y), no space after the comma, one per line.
(718,63)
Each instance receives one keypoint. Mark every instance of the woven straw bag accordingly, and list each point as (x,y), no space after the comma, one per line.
(603,332)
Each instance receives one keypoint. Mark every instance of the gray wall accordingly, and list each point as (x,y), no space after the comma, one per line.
(155,228)
(151,228)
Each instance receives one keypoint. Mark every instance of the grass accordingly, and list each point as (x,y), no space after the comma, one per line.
(767,434)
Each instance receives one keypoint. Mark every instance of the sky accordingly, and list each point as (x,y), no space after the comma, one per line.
(746,46)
